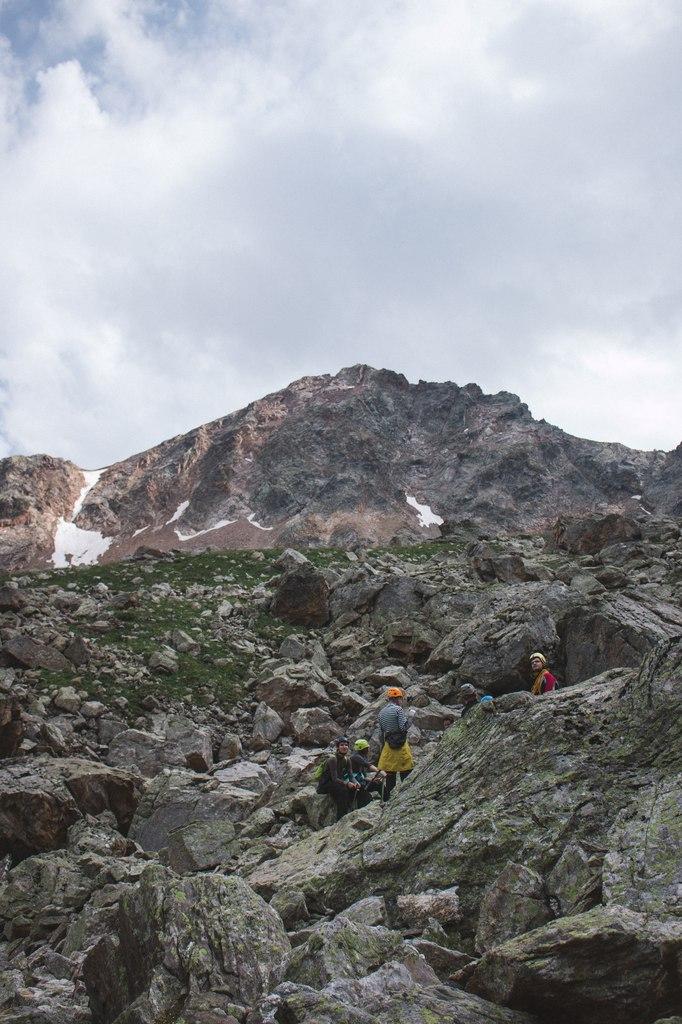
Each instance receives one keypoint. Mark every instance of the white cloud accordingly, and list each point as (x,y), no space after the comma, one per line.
(202,201)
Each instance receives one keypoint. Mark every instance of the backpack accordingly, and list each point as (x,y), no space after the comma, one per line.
(397,738)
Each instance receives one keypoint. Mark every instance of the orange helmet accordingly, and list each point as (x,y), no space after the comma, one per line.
(394,691)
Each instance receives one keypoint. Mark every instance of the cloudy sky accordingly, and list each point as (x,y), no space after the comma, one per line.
(202,200)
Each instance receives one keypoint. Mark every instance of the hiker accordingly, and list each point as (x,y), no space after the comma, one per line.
(396,757)
(543,681)
(361,769)
(469,698)
(337,779)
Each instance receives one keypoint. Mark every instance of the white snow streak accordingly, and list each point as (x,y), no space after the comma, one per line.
(180,511)
(252,519)
(200,533)
(426,516)
(141,530)
(637,497)
(73,546)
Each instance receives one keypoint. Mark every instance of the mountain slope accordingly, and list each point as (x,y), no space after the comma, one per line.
(362,456)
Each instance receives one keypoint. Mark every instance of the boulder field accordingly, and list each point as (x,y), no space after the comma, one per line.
(165,858)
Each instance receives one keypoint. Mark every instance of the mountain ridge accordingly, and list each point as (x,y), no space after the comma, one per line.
(339,460)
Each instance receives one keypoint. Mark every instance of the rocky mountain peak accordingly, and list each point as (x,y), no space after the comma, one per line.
(360,457)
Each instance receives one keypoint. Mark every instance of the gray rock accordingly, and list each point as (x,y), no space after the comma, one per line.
(200,845)
(178,798)
(267,727)
(165,660)
(291,906)
(174,936)
(230,747)
(25,652)
(642,867)
(442,905)
(66,699)
(370,911)
(515,903)
(574,883)
(246,775)
(41,797)
(193,741)
(302,597)
(313,727)
(147,751)
(632,969)
(93,709)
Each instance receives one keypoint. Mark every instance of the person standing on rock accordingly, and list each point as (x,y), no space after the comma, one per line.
(543,680)
(337,779)
(396,757)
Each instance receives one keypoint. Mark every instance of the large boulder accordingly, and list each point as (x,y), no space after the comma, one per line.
(175,936)
(515,903)
(590,535)
(313,727)
(146,751)
(642,868)
(609,963)
(200,845)
(11,727)
(41,797)
(615,632)
(408,993)
(174,799)
(290,687)
(41,892)
(25,652)
(267,727)
(302,597)
(345,949)
(194,742)
(493,645)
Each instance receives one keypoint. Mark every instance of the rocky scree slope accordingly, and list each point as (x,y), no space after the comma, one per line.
(329,461)
(165,856)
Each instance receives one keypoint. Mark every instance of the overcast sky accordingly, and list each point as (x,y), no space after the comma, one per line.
(201,200)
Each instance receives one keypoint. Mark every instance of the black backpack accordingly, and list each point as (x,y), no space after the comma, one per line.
(397,738)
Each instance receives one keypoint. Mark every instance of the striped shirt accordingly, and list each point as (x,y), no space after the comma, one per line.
(392,718)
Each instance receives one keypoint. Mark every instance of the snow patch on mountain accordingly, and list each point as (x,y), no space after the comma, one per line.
(179,512)
(72,545)
(427,517)
(209,529)
(252,519)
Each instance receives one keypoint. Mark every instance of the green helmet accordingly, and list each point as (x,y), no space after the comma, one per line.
(361,745)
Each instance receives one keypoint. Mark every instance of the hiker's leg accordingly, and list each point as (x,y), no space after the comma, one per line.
(389,784)
(403,775)
(342,797)
(363,797)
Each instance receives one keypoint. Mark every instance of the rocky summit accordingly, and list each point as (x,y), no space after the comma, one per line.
(362,457)
(165,857)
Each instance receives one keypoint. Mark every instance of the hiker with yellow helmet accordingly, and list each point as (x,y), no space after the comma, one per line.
(396,757)
(543,680)
(362,767)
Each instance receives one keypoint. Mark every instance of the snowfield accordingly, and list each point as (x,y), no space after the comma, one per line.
(72,545)
(427,517)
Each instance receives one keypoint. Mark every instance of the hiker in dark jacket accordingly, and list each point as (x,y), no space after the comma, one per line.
(371,779)
(469,698)
(395,758)
(337,779)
